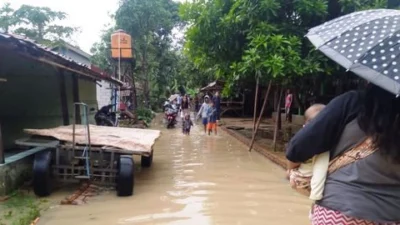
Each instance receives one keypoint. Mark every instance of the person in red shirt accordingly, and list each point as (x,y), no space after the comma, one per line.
(288,105)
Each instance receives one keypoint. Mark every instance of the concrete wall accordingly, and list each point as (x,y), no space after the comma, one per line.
(14,174)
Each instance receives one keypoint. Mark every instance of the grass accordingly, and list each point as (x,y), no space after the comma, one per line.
(21,208)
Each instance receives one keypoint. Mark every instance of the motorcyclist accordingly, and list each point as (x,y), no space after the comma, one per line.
(103,116)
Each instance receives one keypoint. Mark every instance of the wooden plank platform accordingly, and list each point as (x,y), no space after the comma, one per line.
(117,139)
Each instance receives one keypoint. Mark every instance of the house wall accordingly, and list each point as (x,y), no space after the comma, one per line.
(29,99)
(74,56)
(104,94)
(31,96)
(87,95)
(87,89)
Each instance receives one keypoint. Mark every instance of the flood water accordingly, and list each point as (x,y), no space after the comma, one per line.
(196,180)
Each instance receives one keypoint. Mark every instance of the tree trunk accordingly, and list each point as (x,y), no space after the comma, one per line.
(260,116)
(133,91)
(146,88)
(275,99)
(255,103)
(278,121)
(299,101)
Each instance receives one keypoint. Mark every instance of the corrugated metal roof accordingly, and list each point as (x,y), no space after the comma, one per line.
(31,48)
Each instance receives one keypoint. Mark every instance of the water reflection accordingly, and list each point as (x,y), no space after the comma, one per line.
(195,180)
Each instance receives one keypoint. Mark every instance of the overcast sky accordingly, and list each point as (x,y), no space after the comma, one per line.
(90,16)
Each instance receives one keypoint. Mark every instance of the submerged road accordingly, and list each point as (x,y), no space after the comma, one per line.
(199,180)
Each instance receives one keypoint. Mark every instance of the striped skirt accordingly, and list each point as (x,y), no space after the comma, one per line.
(324,216)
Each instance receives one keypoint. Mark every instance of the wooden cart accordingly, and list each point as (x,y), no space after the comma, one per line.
(105,159)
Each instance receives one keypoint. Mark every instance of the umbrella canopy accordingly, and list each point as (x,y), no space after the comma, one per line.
(366,43)
(173,97)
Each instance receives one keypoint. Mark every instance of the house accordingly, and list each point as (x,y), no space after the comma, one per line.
(104,89)
(38,88)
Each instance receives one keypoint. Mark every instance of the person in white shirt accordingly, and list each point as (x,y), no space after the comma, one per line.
(203,112)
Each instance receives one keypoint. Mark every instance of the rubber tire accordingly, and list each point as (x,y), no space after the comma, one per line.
(125,176)
(42,175)
(145,161)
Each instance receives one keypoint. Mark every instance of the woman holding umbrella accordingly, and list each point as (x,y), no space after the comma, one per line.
(360,129)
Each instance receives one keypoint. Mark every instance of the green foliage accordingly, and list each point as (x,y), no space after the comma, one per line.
(7,18)
(101,51)
(37,23)
(244,39)
(145,114)
(160,66)
(21,209)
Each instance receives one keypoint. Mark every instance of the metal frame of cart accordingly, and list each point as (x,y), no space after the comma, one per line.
(64,161)
(59,162)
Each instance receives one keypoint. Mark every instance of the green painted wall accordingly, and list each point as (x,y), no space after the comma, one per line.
(87,94)
(31,98)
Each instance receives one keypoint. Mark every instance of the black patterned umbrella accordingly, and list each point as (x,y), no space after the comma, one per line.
(366,43)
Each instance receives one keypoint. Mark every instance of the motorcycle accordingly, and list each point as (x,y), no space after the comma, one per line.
(171,112)
(104,116)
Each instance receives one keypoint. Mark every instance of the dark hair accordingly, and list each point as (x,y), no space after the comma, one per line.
(379,118)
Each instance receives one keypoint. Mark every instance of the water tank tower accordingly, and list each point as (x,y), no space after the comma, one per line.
(123,58)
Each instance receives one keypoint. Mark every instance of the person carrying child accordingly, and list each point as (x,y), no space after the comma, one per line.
(212,119)
(187,124)
(309,177)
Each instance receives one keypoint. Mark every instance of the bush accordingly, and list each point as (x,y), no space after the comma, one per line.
(145,115)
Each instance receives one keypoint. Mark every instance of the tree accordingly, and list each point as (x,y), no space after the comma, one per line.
(160,66)
(38,23)
(101,51)
(150,24)
(244,40)
(7,18)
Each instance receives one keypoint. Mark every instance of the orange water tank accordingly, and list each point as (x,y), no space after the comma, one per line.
(121,45)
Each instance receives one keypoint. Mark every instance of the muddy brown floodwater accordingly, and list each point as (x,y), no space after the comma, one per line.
(195,180)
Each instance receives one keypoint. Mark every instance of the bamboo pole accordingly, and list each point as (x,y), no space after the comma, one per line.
(255,103)
(260,116)
(278,118)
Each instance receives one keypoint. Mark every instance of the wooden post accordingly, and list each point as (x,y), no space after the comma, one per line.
(75,92)
(260,116)
(63,97)
(278,120)
(255,103)
(2,159)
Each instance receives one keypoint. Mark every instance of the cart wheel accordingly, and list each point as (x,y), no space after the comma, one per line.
(42,177)
(146,161)
(125,176)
